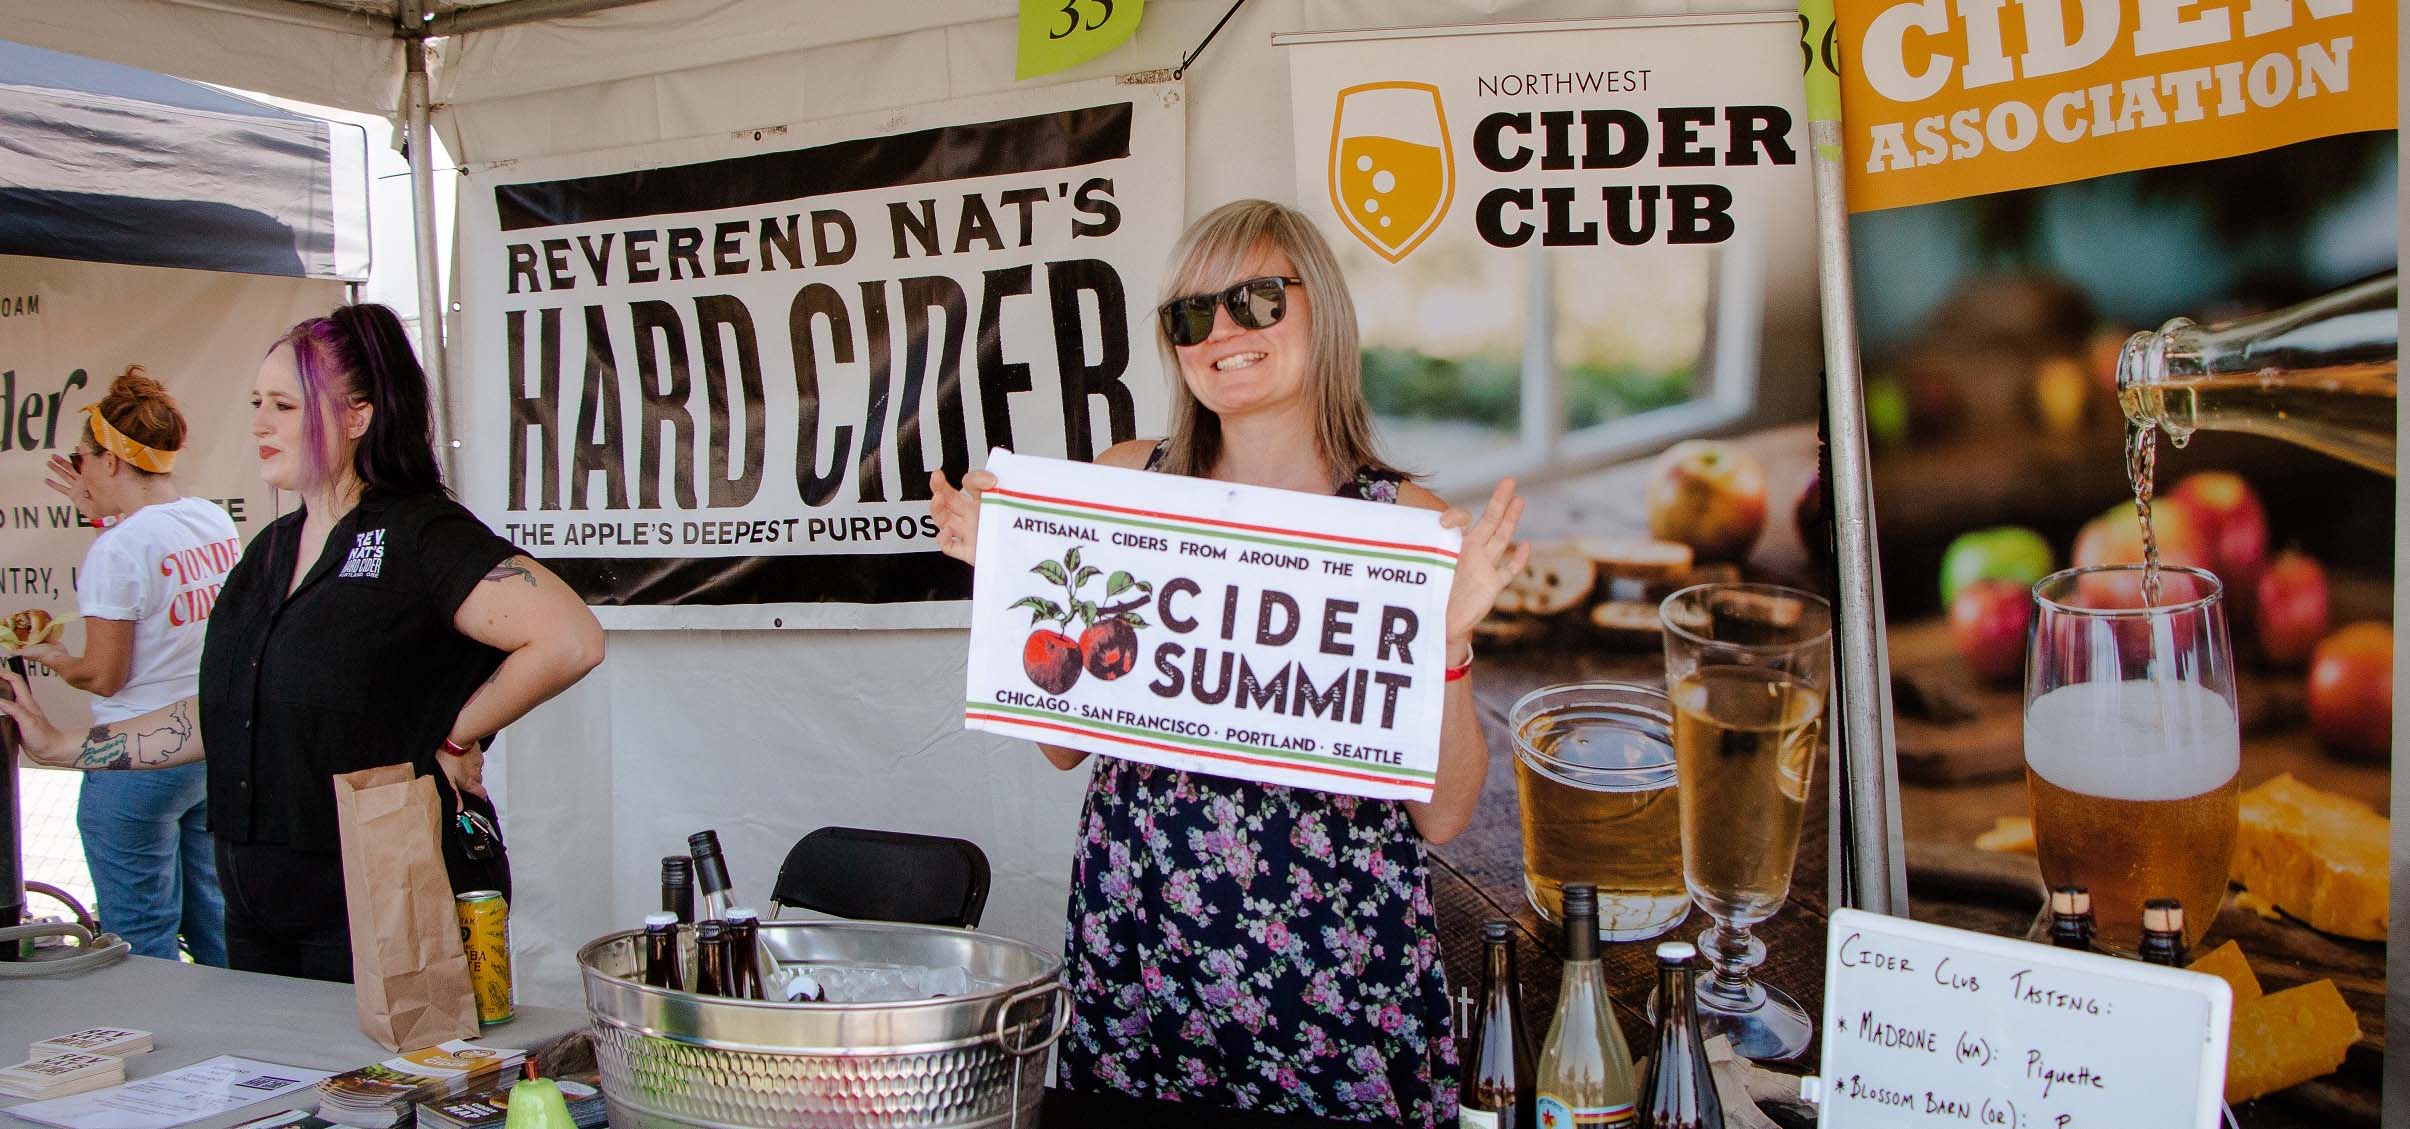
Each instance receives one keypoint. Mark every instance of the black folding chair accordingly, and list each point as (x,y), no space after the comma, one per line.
(870,875)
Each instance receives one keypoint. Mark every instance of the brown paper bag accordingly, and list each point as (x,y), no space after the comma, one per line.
(411,977)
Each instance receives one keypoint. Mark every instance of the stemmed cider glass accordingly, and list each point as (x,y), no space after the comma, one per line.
(1748,667)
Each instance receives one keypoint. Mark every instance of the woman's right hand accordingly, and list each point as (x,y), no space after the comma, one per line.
(45,744)
(957,513)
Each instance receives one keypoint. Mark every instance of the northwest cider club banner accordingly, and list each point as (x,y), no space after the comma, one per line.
(1262,634)
(1612,133)
(707,380)
(1942,100)
(66,330)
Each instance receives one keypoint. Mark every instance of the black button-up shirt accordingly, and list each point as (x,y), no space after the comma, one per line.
(360,667)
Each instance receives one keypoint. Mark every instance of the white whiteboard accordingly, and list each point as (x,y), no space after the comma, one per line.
(1926,1026)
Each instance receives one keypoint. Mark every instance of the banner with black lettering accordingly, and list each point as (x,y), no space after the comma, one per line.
(1568,243)
(706,381)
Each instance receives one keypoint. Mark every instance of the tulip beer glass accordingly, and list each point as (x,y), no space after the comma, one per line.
(1594,771)
(1748,667)
(2131,744)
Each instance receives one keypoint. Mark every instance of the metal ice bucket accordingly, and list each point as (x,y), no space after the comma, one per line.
(673,1058)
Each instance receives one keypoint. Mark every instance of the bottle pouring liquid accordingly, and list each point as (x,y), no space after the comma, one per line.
(2320,374)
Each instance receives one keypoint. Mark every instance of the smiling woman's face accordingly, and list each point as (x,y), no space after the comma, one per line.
(1238,371)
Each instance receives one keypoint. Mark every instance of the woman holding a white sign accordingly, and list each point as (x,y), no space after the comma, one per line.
(1250,945)
(145,591)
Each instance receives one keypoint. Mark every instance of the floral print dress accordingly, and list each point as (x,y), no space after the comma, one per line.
(1253,946)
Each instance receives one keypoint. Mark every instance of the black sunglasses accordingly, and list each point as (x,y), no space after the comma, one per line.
(1258,303)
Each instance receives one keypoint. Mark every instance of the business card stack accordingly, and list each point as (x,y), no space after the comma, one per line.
(61,1074)
(115,1042)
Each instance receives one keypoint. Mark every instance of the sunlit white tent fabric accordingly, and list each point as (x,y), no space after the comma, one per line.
(106,163)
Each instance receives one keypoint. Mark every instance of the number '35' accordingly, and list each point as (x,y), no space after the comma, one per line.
(1071,20)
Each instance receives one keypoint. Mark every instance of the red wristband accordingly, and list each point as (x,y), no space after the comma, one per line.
(453,749)
(1457,673)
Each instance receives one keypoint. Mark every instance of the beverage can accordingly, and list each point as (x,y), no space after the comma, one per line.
(485,938)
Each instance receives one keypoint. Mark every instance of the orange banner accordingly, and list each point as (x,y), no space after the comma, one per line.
(1949,98)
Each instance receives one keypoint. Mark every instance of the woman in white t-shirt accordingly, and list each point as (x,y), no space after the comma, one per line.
(145,590)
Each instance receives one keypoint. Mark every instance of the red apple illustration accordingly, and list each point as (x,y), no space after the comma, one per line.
(1051,659)
(1111,647)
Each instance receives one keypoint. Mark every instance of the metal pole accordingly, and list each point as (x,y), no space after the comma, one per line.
(1876,867)
(422,214)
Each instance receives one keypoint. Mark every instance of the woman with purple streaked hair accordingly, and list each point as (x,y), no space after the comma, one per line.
(379,623)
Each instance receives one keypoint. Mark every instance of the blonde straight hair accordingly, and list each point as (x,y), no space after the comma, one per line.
(1209,258)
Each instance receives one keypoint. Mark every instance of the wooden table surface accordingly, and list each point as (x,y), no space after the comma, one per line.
(1479,876)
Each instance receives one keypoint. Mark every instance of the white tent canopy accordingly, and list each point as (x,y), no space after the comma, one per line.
(762,735)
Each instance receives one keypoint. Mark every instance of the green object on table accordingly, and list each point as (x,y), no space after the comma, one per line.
(2006,552)
(537,1104)
(1059,34)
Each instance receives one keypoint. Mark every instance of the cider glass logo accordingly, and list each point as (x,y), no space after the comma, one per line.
(1391,175)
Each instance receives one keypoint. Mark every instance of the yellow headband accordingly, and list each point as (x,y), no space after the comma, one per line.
(123,446)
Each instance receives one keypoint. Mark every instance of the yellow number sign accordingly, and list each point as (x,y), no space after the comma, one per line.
(1056,34)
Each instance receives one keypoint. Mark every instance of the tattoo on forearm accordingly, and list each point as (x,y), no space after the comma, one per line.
(511,568)
(146,748)
(102,750)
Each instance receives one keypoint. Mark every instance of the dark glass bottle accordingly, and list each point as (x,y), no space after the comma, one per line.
(678,888)
(1498,1090)
(744,957)
(2071,918)
(711,959)
(711,872)
(2163,932)
(1679,1092)
(661,951)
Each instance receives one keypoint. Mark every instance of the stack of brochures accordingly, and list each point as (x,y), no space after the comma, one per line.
(115,1042)
(387,1094)
(486,1107)
(58,1075)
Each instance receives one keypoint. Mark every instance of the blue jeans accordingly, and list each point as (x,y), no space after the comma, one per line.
(146,839)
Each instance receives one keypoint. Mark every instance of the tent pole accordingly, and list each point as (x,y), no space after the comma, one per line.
(1867,792)
(430,268)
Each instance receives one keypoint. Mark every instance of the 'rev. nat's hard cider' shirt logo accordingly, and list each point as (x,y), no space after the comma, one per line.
(1392,172)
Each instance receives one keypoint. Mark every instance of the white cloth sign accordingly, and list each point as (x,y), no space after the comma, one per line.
(1267,635)
(706,380)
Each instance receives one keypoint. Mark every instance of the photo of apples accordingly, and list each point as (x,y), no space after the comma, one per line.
(1992,340)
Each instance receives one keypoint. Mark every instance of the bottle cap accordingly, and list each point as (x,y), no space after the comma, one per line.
(703,842)
(660,920)
(711,930)
(2070,900)
(2163,915)
(744,914)
(1676,952)
(677,870)
(1497,930)
(1581,900)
